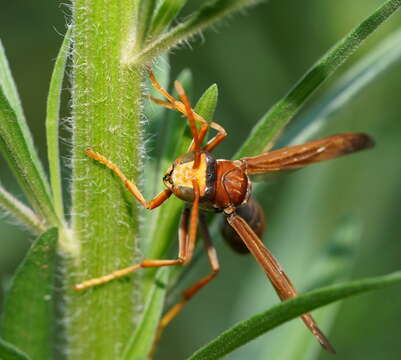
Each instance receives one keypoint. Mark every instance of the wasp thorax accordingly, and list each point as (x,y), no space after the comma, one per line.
(181,176)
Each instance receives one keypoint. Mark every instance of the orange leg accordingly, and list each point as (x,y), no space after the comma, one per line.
(191,120)
(154,203)
(194,289)
(184,255)
(174,104)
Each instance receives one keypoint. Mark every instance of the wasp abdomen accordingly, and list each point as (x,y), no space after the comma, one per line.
(253,214)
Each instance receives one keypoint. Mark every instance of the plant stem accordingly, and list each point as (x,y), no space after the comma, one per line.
(106,116)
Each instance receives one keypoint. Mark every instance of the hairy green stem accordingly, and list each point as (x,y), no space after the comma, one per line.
(106,117)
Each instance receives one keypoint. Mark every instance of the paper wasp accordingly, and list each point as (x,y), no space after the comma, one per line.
(206,183)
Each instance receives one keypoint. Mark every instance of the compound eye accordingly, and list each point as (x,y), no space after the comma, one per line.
(167,176)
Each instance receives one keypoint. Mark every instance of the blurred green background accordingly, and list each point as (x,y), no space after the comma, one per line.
(255,57)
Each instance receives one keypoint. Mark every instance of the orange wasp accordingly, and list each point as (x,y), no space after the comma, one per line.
(224,186)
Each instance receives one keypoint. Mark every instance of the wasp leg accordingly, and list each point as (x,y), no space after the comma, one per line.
(194,289)
(186,248)
(152,204)
(174,104)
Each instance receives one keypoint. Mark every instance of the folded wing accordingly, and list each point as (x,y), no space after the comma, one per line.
(298,156)
(274,272)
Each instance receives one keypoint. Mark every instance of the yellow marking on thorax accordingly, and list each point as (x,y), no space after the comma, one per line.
(183,175)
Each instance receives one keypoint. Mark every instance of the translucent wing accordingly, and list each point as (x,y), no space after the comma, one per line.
(274,272)
(298,156)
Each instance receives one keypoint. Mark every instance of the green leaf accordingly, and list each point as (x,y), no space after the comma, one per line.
(273,122)
(334,264)
(8,84)
(206,105)
(164,15)
(10,352)
(360,75)
(28,307)
(21,212)
(16,145)
(257,325)
(141,341)
(208,14)
(145,12)
(52,124)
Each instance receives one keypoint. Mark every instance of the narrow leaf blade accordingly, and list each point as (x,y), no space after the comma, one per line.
(257,325)
(208,14)
(375,63)
(145,12)
(8,84)
(16,145)
(28,307)
(164,15)
(52,123)
(141,341)
(10,352)
(333,265)
(273,122)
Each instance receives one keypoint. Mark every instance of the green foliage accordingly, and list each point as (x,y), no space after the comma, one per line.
(353,82)
(207,14)
(28,320)
(10,352)
(164,15)
(112,43)
(273,122)
(140,343)
(17,147)
(259,324)
(52,124)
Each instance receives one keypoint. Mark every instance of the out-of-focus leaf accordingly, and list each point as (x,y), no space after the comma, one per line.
(268,128)
(141,341)
(257,325)
(333,265)
(8,85)
(367,69)
(28,308)
(164,15)
(10,352)
(21,212)
(145,12)
(52,123)
(206,105)
(16,145)
(208,14)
